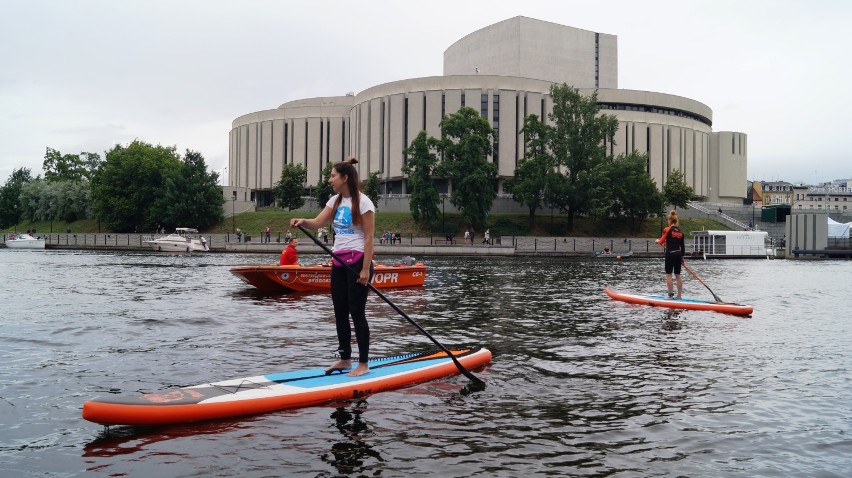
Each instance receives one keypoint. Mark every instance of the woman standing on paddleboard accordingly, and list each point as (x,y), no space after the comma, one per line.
(672,242)
(353,217)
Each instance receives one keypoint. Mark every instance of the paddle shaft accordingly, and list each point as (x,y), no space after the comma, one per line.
(683,263)
(458,364)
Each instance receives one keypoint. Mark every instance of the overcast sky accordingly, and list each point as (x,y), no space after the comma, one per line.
(86,75)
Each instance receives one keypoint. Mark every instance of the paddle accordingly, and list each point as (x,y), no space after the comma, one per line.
(702,282)
(461,368)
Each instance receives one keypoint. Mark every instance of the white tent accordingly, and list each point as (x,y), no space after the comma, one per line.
(838,229)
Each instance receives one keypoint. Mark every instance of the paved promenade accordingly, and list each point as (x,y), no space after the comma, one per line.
(414,246)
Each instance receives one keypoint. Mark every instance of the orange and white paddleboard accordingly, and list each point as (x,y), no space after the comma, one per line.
(689,304)
(276,391)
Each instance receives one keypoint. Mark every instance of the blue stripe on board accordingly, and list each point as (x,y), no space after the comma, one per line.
(662,297)
(317,378)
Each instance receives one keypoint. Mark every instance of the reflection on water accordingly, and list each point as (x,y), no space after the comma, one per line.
(579,385)
(348,456)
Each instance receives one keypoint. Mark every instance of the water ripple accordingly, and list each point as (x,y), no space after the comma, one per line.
(579,385)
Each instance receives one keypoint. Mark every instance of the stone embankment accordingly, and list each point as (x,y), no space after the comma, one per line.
(407,245)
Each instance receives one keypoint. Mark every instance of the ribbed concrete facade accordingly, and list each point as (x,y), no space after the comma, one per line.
(377,124)
(528,48)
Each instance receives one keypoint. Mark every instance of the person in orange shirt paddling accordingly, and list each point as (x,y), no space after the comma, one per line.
(673,244)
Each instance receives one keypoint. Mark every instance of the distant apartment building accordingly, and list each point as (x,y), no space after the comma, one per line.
(833,197)
(776,192)
(505,71)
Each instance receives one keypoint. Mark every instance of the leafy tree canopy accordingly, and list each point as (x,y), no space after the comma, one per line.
(69,167)
(289,190)
(67,200)
(578,142)
(528,185)
(139,186)
(191,196)
(420,167)
(10,204)
(324,190)
(372,187)
(465,143)
(633,192)
(676,191)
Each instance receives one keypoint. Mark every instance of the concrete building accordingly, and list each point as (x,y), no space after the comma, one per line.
(505,71)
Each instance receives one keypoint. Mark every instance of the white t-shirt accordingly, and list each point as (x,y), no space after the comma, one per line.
(348,236)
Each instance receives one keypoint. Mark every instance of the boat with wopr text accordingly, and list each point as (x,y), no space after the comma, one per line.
(317,278)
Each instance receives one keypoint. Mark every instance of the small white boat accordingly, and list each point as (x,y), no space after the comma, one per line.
(180,241)
(731,244)
(19,240)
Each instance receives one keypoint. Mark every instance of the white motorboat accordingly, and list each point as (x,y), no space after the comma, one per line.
(182,240)
(18,240)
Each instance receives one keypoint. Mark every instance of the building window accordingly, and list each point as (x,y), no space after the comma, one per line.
(320,145)
(462,100)
(483,105)
(496,125)
(405,129)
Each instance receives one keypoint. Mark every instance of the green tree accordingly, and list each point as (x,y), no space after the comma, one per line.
(578,142)
(324,190)
(69,167)
(35,198)
(372,187)
(127,190)
(676,191)
(420,167)
(190,196)
(633,192)
(74,199)
(290,188)
(10,204)
(528,185)
(465,143)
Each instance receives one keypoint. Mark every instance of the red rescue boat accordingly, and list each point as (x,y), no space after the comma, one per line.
(317,278)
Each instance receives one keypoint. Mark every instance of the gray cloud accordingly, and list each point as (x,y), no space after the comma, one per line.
(84,75)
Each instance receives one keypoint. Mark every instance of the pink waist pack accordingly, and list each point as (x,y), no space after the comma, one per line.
(348,256)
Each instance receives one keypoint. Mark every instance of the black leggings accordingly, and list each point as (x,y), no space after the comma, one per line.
(673,261)
(350,299)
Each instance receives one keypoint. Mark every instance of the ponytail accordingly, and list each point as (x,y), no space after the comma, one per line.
(673,219)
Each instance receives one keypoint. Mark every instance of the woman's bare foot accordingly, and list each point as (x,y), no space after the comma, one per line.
(361,369)
(339,366)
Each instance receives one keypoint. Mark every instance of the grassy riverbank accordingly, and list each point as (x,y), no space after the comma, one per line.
(252,223)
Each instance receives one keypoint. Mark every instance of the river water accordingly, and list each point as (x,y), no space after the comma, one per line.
(579,385)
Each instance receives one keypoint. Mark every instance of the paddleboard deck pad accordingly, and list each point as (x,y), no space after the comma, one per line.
(276,391)
(684,303)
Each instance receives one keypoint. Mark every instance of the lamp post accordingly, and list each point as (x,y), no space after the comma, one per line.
(234,211)
(443,212)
